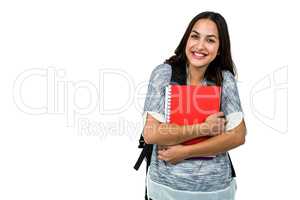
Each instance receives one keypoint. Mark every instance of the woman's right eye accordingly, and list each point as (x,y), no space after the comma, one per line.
(194,36)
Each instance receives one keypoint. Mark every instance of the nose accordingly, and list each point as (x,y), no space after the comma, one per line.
(200,44)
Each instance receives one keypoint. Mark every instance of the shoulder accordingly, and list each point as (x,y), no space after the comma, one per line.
(161,73)
(229,83)
(162,70)
(227,76)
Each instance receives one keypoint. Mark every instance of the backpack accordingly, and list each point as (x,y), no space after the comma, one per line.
(147,152)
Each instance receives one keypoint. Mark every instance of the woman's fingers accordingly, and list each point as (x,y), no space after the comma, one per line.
(219,114)
(161,155)
(162,147)
(216,115)
(217,125)
(159,147)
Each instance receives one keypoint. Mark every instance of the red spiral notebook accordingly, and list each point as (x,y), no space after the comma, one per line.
(187,105)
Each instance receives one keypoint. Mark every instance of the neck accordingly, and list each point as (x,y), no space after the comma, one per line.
(196,74)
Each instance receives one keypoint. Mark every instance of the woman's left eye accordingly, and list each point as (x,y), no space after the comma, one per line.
(210,41)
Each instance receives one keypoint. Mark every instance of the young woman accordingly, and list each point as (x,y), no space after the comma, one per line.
(202,57)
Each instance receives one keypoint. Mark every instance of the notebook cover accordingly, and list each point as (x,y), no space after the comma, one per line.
(187,105)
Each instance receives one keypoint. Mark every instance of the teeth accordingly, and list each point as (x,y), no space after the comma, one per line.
(199,54)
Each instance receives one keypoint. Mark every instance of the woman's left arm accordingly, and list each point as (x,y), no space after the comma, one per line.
(233,137)
(212,146)
(218,144)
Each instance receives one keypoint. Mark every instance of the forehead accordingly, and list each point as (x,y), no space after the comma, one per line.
(206,27)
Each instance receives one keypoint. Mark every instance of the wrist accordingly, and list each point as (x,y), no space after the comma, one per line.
(187,151)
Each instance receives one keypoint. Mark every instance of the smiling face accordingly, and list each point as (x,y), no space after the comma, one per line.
(203,44)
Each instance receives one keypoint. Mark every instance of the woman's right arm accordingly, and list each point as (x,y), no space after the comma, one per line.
(156,132)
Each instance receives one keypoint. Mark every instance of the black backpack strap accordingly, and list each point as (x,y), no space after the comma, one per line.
(140,159)
(231,165)
(146,153)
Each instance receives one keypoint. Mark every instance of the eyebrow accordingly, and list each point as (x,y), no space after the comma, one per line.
(212,35)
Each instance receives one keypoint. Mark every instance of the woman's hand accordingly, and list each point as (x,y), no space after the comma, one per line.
(215,124)
(172,154)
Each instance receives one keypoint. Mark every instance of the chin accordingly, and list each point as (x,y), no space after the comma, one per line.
(199,64)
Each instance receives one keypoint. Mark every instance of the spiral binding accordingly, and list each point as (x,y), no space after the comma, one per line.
(168,103)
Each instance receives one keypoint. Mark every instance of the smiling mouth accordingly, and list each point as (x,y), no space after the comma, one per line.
(199,55)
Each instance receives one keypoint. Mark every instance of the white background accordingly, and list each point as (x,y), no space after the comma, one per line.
(47,151)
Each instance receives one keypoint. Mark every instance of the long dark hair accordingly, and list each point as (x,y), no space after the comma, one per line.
(223,61)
